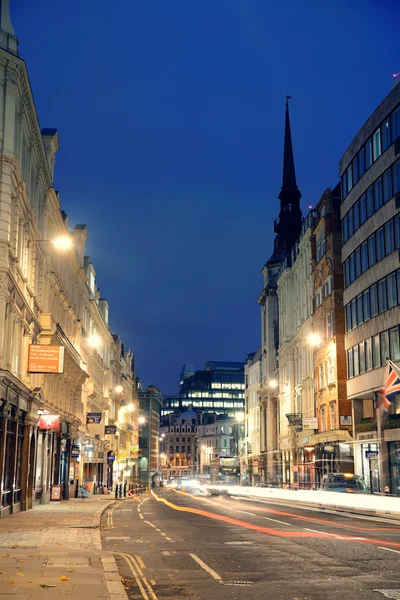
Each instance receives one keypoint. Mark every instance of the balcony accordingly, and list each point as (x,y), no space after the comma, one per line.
(369,423)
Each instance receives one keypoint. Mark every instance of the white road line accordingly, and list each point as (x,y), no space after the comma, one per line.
(203,565)
(168,538)
(151,524)
(164,534)
(389,549)
(247,513)
(276,521)
(323,532)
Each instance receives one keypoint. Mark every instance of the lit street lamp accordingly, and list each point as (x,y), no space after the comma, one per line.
(119,389)
(61,242)
(94,340)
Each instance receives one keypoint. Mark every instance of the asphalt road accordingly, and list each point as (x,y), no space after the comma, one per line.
(173,545)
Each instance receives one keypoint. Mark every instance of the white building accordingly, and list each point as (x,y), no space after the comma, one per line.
(253,408)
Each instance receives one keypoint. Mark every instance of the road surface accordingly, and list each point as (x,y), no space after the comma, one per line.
(173,545)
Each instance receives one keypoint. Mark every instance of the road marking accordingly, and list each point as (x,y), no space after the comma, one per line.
(141,516)
(164,534)
(244,543)
(324,532)
(203,565)
(151,524)
(115,537)
(389,549)
(166,553)
(139,577)
(336,536)
(168,538)
(140,562)
(277,521)
(152,581)
(158,529)
(247,513)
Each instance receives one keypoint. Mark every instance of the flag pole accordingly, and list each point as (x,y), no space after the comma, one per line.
(382,483)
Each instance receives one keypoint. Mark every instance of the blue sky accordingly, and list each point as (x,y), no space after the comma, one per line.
(170,117)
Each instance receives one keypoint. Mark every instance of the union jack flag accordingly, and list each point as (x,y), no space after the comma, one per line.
(391,386)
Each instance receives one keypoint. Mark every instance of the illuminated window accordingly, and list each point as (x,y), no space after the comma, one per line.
(331,369)
(332,407)
(322,382)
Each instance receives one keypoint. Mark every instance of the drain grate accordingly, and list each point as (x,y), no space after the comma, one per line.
(390,593)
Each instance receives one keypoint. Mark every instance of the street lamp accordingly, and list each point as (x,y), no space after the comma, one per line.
(119,389)
(314,339)
(61,242)
(141,420)
(273,384)
(94,340)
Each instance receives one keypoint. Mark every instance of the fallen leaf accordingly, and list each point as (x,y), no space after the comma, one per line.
(29,582)
(15,546)
(20,575)
(12,580)
(64,578)
(45,585)
(70,570)
(20,560)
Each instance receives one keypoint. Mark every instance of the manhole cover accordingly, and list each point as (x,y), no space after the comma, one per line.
(390,593)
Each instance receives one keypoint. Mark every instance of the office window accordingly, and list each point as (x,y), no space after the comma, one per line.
(396,124)
(356,213)
(359,303)
(344,185)
(361,356)
(389,238)
(363,209)
(377,147)
(378,197)
(349,178)
(382,295)
(396,177)
(348,317)
(397,230)
(366,305)
(357,259)
(380,244)
(368,354)
(364,256)
(370,202)
(394,344)
(347,273)
(387,185)
(345,230)
(322,382)
(373,292)
(384,340)
(385,135)
(398,285)
(361,162)
(350,364)
(371,250)
(368,154)
(355,170)
(376,353)
(331,370)
(353,313)
(391,290)
(352,267)
(356,361)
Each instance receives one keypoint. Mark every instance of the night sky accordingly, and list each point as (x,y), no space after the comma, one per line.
(170,116)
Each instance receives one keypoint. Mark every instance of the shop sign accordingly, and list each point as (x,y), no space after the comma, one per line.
(135,448)
(93,418)
(89,447)
(370,454)
(45,359)
(295,419)
(75,451)
(111,457)
(329,449)
(344,420)
(49,422)
(55,493)
(310,423)
(110,429)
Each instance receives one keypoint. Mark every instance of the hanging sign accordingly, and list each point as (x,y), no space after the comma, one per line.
(45,359)
(310,423)
(370,454)
(110,429)
(49,422)
(75,451)
(295,419)
(93,418)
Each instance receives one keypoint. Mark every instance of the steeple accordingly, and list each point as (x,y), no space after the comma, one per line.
(288,225)
(8,41)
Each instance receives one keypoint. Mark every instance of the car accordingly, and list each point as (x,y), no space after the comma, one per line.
(344,482)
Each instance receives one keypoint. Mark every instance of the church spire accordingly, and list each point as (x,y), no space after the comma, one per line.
(289,173)
(8,41)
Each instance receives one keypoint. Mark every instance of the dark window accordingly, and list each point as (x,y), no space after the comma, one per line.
(397,230)
(368,154)
(394,344)
(176,448)
(384,339)
(356,361)
(389,237)
(359,302)
(398,285)
(387,185)
(382,295)
(350,216)
(366,305)
(378,193)
(361,162)
(348,317)
(363,209)
(344,186)
(345,230)
(385,135)
(376,353)
(183,449)
(361,354)
(357,258)
(356,210)
(391,290)
(377,147)
(350,365)
(352,268)
(371,250)
(396,124)
(347,273)
(355,170)
(353,313)
(364,256)
(396,177)
(188,449)
(350,178)
(370,202)
(373,292)
(380,244)
(368,355)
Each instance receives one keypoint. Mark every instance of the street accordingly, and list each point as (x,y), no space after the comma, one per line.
(172,545)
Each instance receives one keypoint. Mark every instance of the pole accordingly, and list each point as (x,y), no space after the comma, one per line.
(382,453)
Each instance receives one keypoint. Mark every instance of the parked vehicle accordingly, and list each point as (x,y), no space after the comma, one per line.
(343,482)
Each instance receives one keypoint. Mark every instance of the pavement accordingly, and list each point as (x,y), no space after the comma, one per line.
(173,545)
(55,550)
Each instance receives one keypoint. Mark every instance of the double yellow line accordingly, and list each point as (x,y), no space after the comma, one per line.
(110,518)
(136,565)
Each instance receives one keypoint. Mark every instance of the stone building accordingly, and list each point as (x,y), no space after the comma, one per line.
(252,459)
(178,444)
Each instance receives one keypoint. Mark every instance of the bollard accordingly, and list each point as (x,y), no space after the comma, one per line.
(116,491)
(120,490)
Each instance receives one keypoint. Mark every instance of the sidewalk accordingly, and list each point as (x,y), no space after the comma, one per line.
(55,550)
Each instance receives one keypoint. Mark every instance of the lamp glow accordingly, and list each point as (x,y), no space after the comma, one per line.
(141,420)
(119,389)
(94,340)
(273,383)
(62,242)
(314,339)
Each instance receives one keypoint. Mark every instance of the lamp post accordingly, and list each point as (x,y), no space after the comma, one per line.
(61,242)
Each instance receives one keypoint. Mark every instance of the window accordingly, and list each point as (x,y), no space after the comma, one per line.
(371,250)
(344,186)
(332,408)
(356,361)
(322,382)
(350,364)
(396,177)
(387,185)
(361,162)
(370,202)
(357,259)
(347,273)
(394,344)
(380,244)
(318,297)
(374,300)
(363,209)
(188,449)
(359,302)
(368,354)
(176,448)
(329,325)
(397,230)
(361,355)
(385,135)
(391,290)
(322,417)
(348,317)
(349,178)
(321,247)
(366,305)
(389,237)
(396,124)
(331,369)
(384,339)
(345,230)
(225,442)
(352,268)
(382,295)
(376,353)
(328,287)
(364,256)
(353,313)
(378,197)
(356,212)
(377,144)
(171,449)
(368,154)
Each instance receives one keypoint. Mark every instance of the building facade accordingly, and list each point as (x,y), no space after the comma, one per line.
(370,177)
(150,401)
(178,444)
(252,460)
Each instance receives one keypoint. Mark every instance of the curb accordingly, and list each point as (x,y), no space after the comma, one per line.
(115,589)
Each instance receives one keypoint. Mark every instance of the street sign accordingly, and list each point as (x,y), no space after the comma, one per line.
(371,454)
(93,418)
(110,429)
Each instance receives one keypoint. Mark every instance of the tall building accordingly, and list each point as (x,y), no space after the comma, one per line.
(287,228)
(253,423)
(218,387)
(150,401)
(370,175)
